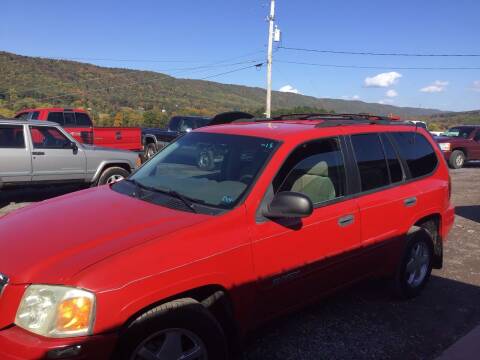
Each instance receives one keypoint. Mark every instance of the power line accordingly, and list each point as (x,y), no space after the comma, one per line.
(367,53)
(379,67)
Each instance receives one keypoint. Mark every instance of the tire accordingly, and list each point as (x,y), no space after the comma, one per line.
(184,318)
(112,175)
(457,159)
(150,151)
(407,283)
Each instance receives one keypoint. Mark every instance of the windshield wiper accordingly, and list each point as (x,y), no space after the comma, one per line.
(187,201)
(184,199)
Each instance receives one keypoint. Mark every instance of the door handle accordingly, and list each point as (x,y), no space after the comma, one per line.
(346,220)
(410,201)
(38,153)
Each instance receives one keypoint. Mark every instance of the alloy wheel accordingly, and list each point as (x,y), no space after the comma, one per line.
(171,344)
(418,264)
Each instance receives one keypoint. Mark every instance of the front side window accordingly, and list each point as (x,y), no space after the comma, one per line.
(11,137)
(459,132)
(44,137)
(371,161)
(315,169)
(203,168)
(56,117)
(22,116)
(83,119)
(417,152)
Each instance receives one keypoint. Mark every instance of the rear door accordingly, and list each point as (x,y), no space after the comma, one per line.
(53,159)
(15,160)
(299,259)
(387,202)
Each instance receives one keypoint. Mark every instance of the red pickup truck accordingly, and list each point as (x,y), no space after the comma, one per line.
(460,144)
(79,124)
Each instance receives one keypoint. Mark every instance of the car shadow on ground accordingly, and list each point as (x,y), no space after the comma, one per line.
(365,322)
(471,212)
(34,194)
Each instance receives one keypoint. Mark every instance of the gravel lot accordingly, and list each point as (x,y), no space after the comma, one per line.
(364,322)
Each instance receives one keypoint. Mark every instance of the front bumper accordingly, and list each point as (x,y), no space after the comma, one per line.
(18,344)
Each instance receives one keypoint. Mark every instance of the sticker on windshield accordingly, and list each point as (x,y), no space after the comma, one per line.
(227,199)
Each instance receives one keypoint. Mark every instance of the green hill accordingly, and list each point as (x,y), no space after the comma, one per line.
(132,97)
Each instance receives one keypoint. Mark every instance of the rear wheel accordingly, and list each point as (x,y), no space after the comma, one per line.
(415,267)
(112,175)
(457,159)
(181,329)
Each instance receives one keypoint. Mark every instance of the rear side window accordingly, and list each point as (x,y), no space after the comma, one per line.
(315,169)
(417,152)
(371,161)
(83,120)
(56,117)
(11,137)
(396,173)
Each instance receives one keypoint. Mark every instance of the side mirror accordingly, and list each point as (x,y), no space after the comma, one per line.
(289,204)
(74,147)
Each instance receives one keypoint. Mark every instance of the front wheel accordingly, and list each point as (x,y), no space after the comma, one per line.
(112,175)
(415,267)
(181,329)
(457,159)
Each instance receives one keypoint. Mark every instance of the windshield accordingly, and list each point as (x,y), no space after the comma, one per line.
(206,168)
(461,132)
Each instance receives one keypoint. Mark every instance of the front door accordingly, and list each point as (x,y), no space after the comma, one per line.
(476,146)
(298,259)
(15,160)
(53,158)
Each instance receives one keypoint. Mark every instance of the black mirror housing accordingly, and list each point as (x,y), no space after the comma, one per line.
(74,147)
(288,204)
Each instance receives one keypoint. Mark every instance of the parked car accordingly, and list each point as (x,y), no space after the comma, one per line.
(39,152)
(460,144)
(419,123)
(181,259)
(78,123)
(155,139)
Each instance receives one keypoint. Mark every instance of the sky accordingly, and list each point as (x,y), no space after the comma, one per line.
(203,38)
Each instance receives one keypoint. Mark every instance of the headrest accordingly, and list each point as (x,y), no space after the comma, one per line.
(319,169)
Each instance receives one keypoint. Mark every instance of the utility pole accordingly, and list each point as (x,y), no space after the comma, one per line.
(271,20)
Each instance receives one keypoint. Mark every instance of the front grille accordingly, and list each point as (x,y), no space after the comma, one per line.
(3,282)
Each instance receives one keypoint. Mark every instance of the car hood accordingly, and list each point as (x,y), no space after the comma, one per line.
(50,242)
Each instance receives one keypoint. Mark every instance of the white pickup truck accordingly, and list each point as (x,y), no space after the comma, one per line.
(41,152)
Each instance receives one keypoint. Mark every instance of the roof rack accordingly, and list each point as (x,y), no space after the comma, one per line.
(331,119)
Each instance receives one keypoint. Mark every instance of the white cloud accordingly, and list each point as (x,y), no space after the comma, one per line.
(391,93)
(289,89)
(476,86)
(437,87)
(354,97)
(383,80)
(386,102)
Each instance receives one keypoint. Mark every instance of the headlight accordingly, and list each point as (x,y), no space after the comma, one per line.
(56,311)
(445,146)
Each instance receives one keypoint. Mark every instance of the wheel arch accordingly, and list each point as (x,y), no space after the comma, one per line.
(215,298)
(109,164)
(431,224)
(462,149)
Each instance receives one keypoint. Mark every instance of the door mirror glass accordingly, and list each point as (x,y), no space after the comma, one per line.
(288,204)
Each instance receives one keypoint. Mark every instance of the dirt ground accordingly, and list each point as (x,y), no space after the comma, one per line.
(364,322)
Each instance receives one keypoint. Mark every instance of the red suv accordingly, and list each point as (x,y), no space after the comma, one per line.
(224,229)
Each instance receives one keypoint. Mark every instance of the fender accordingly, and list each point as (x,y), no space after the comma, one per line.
(104,163)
